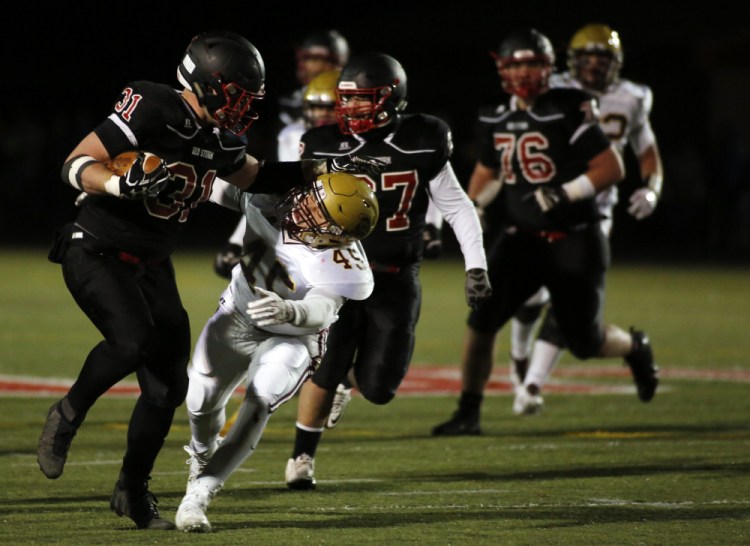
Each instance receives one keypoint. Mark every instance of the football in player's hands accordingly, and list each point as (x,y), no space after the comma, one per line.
(121,163)
(136,175)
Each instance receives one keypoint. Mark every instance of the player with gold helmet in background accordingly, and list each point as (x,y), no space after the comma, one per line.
(318,102)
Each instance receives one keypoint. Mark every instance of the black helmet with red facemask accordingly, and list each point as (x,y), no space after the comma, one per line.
(226,72)
(370,93)
(525,46)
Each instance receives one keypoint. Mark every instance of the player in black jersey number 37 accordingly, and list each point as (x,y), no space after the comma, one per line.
(374,338)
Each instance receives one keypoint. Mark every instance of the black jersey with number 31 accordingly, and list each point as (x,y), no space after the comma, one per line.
(155,118)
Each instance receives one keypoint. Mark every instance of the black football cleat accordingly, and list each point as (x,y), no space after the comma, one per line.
(56,437)
(641,362)
(139,504)
(461,424)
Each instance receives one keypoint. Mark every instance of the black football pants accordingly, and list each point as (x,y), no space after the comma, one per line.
(138,310)
(375,337)
(573,270)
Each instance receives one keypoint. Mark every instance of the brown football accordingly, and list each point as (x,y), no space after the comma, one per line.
(121,163)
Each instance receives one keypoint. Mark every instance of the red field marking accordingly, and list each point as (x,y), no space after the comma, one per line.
(430,381)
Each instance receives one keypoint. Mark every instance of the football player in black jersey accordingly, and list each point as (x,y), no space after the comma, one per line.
(594,59)
(552,157)
(115,256)
(375,338)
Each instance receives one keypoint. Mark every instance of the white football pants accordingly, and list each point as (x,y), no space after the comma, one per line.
(229,350)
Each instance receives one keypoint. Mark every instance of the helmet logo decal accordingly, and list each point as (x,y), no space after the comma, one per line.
(226,73)
(523,54)
(188,63)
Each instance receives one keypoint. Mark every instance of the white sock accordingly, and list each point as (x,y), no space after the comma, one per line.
(520,339)
(544,358)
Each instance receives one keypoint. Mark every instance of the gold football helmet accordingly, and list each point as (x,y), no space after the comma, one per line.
(319,99)
(595,56)
(334,211)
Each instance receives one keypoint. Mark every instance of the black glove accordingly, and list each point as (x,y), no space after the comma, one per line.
(227,259)
(141,180)
(478,287)
(356,164)
(433,245)
(549,198)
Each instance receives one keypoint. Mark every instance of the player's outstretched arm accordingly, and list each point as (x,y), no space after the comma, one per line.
(316,310)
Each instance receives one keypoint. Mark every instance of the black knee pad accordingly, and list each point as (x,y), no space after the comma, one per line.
(550,332)
(529,313)
(378,396)
(588,345)
(165,388)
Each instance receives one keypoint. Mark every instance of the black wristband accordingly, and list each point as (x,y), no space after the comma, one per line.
(71,171)
(277,177)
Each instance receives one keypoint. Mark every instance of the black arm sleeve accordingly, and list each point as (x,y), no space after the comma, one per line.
(277,177)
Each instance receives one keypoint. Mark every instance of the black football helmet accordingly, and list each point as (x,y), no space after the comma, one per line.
(371,91)
(321,50)
(226,72)
(329,44)
(525,46)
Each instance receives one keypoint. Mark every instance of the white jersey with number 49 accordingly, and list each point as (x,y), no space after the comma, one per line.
(290,268)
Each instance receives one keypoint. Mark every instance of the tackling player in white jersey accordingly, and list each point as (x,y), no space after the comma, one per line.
(595,58)
(302,259)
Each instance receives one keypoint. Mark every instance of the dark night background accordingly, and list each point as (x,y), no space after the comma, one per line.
(63,68)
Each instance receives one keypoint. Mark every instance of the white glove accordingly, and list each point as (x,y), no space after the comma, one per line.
(271,309)
(642,203)
(549,198)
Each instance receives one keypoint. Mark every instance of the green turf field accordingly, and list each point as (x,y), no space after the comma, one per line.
(592,469)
